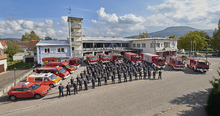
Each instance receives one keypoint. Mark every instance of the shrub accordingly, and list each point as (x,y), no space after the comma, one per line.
(213,103)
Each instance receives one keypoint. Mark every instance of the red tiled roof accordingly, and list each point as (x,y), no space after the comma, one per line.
(31,45)
(3,43)
(2,56)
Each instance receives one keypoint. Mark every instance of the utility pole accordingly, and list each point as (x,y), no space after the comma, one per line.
(14,76)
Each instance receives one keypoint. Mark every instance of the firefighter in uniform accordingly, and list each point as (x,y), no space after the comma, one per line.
(154,73)
(119,78)
(72,81)
(80,84)
(68,88)
(113,79)
(86,85)
(160,75)
(93,83)
(99,81)
(60,89)
(75,87)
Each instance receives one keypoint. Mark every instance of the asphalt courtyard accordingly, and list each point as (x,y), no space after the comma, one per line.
(179,93)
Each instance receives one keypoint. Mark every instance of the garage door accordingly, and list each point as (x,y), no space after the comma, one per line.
(1,68)
(29,60)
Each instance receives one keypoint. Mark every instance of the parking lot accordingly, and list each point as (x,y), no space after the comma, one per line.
(178,93)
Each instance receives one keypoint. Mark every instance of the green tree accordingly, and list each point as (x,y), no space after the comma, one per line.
(216,38)
(136,38)
(13,48)
(173,37)
(213,102)
(30,36)
(48,38)
(192,39)
(143,35)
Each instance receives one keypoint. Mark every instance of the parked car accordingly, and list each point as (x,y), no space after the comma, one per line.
(27,90)
(45,79)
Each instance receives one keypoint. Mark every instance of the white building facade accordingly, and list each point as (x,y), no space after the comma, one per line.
(160,46)
(75,36)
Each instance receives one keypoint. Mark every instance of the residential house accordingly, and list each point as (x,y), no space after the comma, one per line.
(3,62)
(3,45)
(52,48)
(22,44)
(32,49)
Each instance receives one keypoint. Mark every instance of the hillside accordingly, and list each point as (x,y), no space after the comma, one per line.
(178,31)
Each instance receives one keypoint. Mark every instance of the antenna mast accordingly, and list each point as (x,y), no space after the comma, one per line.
(69,9)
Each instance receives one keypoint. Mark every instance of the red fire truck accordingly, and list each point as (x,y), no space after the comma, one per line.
(103,58)
(116,58)
(91,59)
(197,64)
(73,62)
(175,62)
(153,60)
(132,57)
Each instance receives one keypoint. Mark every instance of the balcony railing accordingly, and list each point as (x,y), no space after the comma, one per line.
(76,33)
(107,48)
(75,25)
(76,42)
(76,53)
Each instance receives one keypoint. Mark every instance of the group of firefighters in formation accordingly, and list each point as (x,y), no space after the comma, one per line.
(99,72)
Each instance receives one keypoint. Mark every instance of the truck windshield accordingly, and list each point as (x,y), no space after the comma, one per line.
(202,63)
(104,57)
(161,60)
(92,58)
(68,66)
(137,59)
(62,70)
(34,86)
(52,77)
(120,57)
(178,62)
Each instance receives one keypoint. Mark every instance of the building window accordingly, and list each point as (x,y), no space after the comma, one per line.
(138,45)
(143,45)
(72,48)
(152,45)
(46,50)
(157,45)
(134,45)
(72,39)
(60,50)
(166,44)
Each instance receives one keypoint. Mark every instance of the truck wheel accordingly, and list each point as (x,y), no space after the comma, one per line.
(51,85)
(37,96)
(12,98)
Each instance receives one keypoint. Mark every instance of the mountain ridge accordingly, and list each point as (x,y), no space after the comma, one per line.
(178,31)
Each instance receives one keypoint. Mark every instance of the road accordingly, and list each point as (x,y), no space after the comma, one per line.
(7,77)
(179,93)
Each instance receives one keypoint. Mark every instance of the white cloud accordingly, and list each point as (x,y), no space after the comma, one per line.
(16,28)
(200,14)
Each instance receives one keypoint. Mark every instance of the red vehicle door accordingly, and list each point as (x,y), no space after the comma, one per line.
(27,92)
(17,92)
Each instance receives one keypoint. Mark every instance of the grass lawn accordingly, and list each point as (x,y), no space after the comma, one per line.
(204,52)
(18,64)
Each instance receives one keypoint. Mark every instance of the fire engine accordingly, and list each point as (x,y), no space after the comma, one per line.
(116,58)
(132,57)
(197,64)
(103,58)
(153,60)
(91,59)
(75,62)
(175,62)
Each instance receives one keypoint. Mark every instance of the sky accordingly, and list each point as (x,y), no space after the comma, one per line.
(120,18)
